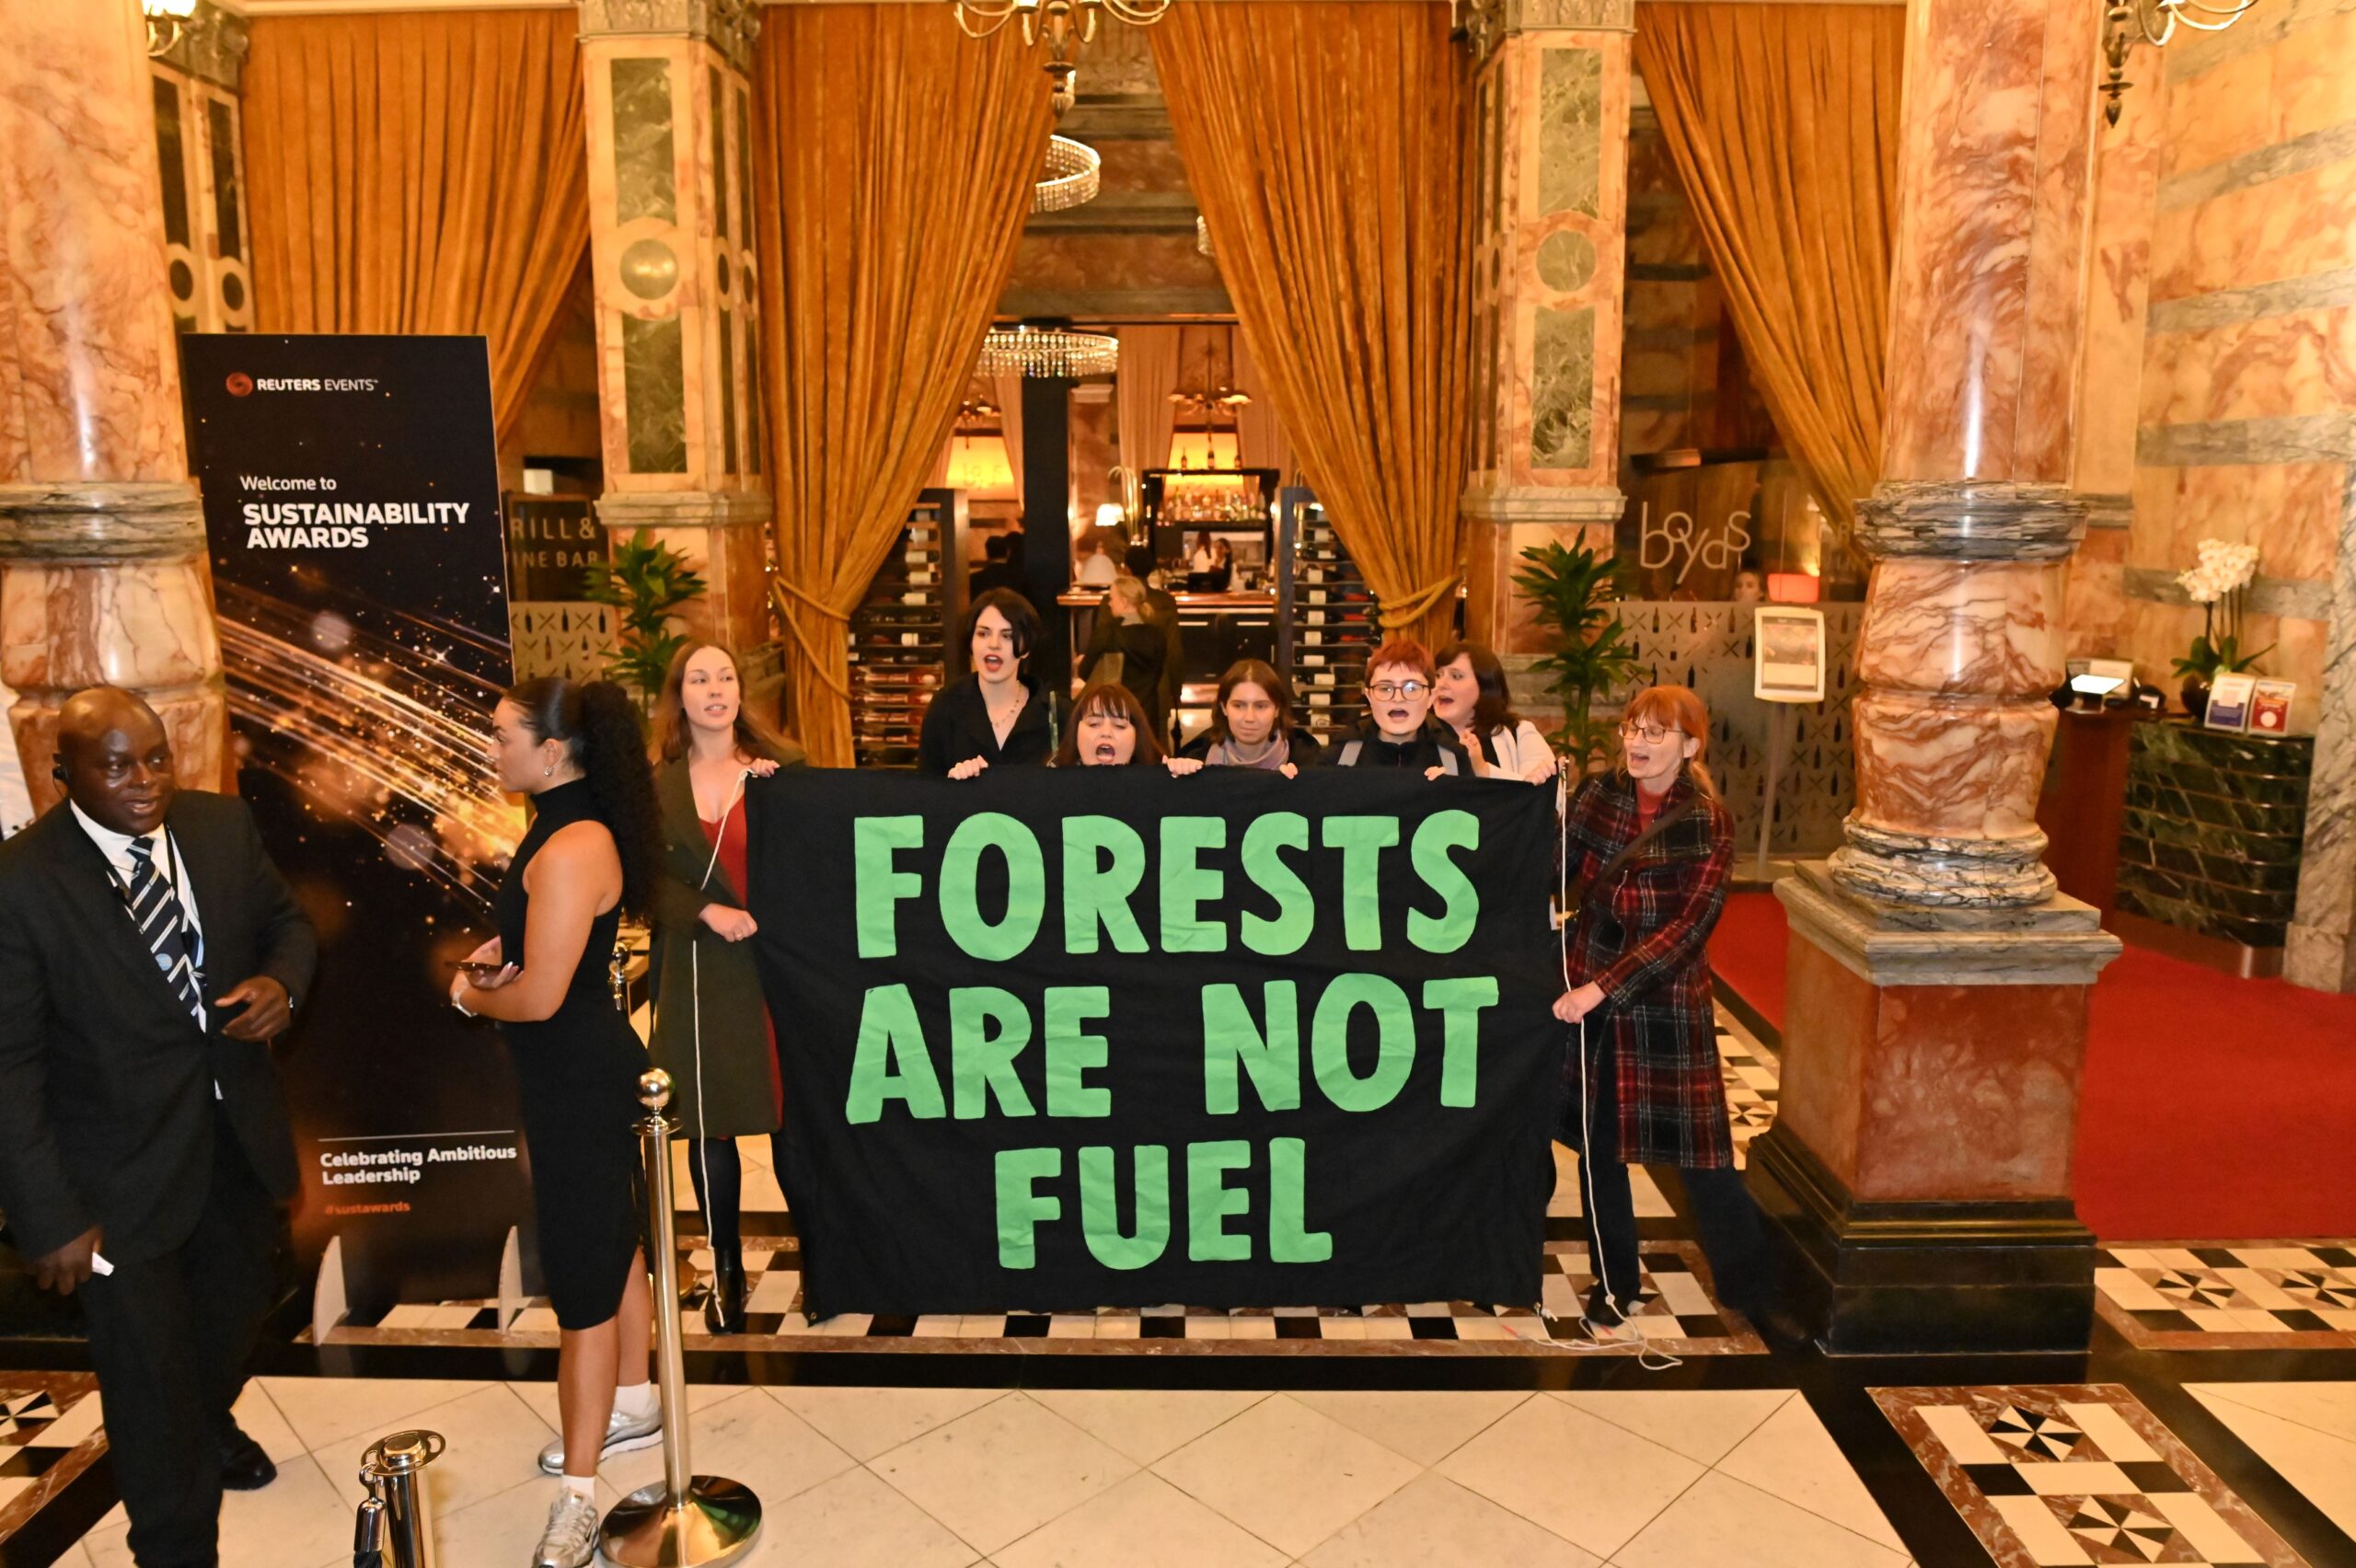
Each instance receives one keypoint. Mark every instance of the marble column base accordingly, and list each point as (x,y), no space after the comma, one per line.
(105,584)
(725,534)
(1506,523)
(1931,871)
(1920,1167)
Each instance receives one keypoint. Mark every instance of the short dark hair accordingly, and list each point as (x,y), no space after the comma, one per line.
(994,547)
(1019,616)
(1140,560)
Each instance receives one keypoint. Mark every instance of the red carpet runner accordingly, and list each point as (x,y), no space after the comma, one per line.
(2213,1108)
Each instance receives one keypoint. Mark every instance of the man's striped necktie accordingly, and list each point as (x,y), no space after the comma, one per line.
(155,907)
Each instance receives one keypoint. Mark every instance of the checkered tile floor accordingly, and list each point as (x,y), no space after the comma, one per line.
(2230,1295)
(48,1434)
(2077,1474)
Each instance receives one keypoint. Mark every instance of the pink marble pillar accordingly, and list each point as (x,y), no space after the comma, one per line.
(102,569)
(1551,193)
(1974,515)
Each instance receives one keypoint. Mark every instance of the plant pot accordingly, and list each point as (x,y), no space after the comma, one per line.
(2195,693)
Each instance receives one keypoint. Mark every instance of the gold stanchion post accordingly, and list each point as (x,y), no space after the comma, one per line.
(395,1529)
(685,1520)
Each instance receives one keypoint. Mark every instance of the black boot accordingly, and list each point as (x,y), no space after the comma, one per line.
(725,1311)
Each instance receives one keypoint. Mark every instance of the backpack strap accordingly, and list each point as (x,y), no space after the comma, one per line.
(1350,757)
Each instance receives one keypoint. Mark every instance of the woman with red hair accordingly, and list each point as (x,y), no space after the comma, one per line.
(1648,848)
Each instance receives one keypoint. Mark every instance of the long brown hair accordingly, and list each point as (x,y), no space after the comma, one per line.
(1676,708)
(1251,672)
(1492,709)
(1108,696)
(674,735)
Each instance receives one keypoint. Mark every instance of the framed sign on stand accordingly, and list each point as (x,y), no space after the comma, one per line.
(1788,658)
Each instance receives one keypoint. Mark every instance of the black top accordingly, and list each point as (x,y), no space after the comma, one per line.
(1433,746)
(107,1085)
(553,809)
(957,727)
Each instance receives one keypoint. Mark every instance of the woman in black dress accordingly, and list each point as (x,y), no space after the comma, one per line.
(577,749)
(996,715)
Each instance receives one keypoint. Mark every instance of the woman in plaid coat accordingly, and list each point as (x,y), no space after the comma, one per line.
(1646,1088)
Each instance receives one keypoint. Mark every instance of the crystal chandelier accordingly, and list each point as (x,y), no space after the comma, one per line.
(2154,21)
(1069,26)
(1049,350)
(1074,171)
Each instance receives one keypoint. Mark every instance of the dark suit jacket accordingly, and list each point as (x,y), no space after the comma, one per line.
(106,1083)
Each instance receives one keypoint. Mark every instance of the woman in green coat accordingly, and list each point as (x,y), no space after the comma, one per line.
(712,1030)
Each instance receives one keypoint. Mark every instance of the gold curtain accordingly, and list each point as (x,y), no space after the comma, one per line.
(895,164)
(1782,122)
(419,172)
(1326,143)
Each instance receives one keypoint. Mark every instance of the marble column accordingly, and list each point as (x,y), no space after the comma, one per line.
(1550,192)
(1920,1162)
(670,247)
(102,566)
(200,146)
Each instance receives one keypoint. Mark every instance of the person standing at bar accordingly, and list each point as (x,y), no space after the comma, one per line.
(144,1148)
(591,853)
(712,1030)
(1647,850)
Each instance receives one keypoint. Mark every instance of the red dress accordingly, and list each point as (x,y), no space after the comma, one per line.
(731,861)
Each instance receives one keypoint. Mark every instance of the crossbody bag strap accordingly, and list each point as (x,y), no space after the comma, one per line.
(1661,825)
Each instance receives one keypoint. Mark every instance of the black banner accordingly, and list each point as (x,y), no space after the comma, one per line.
(1102,1037)
(352,506)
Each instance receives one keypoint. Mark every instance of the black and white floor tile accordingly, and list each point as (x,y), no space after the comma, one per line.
(2230,1295)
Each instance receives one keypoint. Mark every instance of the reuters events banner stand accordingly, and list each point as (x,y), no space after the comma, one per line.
(352,511)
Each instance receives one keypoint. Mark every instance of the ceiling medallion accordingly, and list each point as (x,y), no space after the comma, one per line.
(1074,172)
(1049,351)
(1067,26)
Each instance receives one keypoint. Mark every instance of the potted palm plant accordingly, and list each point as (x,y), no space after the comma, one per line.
(1574,593)
(645,582)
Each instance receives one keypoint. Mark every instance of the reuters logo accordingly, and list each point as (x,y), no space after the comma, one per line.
(241,384)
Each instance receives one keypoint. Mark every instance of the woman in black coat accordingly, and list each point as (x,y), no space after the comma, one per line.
(995,714)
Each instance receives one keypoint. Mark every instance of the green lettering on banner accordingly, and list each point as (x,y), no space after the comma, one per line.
(1289,1239)
(1229,1038)
(890,1062)
(1295,911)
(1026,887)
(1072,1050)
(1186,885)
(1100,1207)
(879,888)
(1021,1211)
(1096,894)
(1460,1002)
(1361,840)
(1209,1202)
(981,1060)
(1329,1047)
(1434,837)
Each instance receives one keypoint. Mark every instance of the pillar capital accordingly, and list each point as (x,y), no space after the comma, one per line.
(1487,23)
(729,26)
(210,47)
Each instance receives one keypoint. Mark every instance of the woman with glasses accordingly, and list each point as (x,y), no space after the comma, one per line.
(1648,848)
(1470,697)
(1398,731)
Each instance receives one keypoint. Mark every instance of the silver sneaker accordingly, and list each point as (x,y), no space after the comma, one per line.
(571,1539)
(624,1434)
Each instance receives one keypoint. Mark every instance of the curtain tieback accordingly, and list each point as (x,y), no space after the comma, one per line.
(1418,605)
(779,589)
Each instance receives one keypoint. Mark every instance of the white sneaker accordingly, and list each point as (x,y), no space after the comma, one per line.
(624,1434)
(571,1539)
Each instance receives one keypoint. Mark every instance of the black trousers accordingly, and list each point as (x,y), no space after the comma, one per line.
(169,1339)
(1724,1216)
(717,1173)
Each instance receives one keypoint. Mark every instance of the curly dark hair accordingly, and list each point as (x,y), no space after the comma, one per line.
(600,725)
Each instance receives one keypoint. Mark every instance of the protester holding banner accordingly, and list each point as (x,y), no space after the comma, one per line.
(1109,729)
(1646,850)
(593,852)
(1398,731)
(1251,724)
(1471,698)
(995,714)
(712,1030)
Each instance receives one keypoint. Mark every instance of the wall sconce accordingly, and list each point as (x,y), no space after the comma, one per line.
(167,22)
(2154,22)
